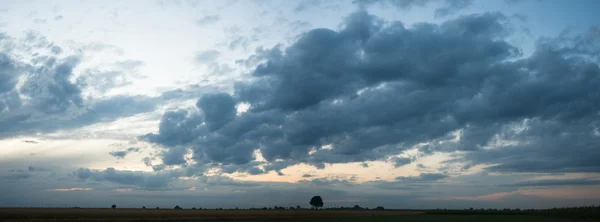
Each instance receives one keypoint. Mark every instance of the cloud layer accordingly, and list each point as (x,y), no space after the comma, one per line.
(374,89)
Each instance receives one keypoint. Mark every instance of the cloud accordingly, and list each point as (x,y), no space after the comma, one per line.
(16,176)
(423,177)
(30,141)
(179,127)
(566,182)
(48,99)
(58,17)
(9,73)
(446,7)
(208,56)
(70,189)
(51,88)
(123,153)
(107,77)
(305,5)
(37,169)
(443,8)
(132,178)
(375,89)
(209,19)
(218,109)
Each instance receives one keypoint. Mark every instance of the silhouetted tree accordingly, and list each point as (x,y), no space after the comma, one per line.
(379,208)
(193,208)
(316,202)
(157,208)
(113,206)
(356,207)
(298,207)
(178,207)
(143,207)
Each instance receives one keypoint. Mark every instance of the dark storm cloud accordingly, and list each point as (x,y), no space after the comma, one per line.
(374,89)
(178,127)
(218,109)
(174,156)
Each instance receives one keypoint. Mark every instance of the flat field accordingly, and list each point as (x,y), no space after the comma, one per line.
(86,214)
(109,215)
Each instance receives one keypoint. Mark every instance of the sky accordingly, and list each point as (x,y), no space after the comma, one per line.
(396,103)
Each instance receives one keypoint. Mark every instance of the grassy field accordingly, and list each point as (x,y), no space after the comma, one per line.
(109,215)
(71,214)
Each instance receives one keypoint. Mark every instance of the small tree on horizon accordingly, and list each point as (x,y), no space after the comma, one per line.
(113,206)
(316,202)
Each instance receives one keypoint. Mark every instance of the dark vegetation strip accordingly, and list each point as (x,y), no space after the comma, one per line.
(582,213)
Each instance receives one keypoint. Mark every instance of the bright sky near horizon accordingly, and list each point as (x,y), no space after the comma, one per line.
(252,103)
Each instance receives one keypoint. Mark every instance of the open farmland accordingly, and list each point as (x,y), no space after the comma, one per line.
(83,214)
(108,215)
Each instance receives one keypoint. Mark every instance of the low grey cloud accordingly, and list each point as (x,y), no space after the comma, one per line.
(122,153)
(372,90)
(16,174)
(131,178)
(423,177)
(563,182)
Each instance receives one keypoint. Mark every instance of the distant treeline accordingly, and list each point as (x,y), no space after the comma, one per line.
(585,212)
